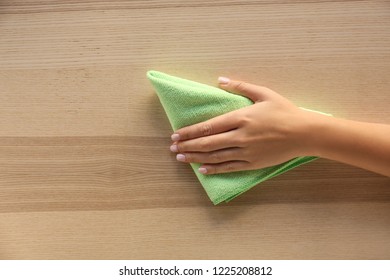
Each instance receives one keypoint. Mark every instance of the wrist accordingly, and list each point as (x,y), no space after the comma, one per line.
(312,133)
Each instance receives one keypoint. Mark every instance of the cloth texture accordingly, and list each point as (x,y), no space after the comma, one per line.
(187,102)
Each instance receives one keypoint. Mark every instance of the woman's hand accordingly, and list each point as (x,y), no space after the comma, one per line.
(263,134)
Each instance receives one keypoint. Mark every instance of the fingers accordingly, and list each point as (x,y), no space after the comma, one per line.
(251,91)
(207,144)
(211,157)
(222,161)
(215,125)
(225,167)
(226,121)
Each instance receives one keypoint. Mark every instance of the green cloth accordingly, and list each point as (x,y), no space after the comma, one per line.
(187,102)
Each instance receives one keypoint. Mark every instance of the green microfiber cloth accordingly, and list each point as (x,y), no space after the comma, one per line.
(187,102)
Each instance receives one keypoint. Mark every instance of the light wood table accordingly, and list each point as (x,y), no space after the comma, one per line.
(85,170)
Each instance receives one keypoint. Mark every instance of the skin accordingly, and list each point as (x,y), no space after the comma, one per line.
(274,130)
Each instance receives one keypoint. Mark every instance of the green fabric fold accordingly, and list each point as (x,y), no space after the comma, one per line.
(187,102)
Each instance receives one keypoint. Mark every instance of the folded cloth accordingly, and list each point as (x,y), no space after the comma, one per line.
(187,102)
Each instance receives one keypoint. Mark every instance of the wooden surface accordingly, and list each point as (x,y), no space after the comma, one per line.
(85,170)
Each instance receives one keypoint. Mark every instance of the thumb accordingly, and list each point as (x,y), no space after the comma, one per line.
(251,91)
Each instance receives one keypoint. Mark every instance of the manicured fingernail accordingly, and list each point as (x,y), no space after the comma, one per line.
(223,80)
(181,157)
(173,148)
(202,170)
(175,137)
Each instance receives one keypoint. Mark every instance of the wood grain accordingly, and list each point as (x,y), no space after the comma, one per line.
(85,170)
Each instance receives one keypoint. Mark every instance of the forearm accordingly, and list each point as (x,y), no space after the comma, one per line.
(365,145)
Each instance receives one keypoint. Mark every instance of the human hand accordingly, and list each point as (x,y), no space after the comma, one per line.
(266,133)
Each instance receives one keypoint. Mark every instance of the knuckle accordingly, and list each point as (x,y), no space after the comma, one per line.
(212,169)
(215,157)
(244,118)
(242,122)
(240,86)
(193,157)
(180,147)
(226,167)
(249,155)
(183,147)
(184,134)
(206,129)
(189,157)
(229,167)
(204,144)
(240,141)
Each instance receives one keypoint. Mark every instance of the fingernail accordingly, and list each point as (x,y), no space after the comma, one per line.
(175,137)
(181,157)
(223,80)
(202,170)
(173,148)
